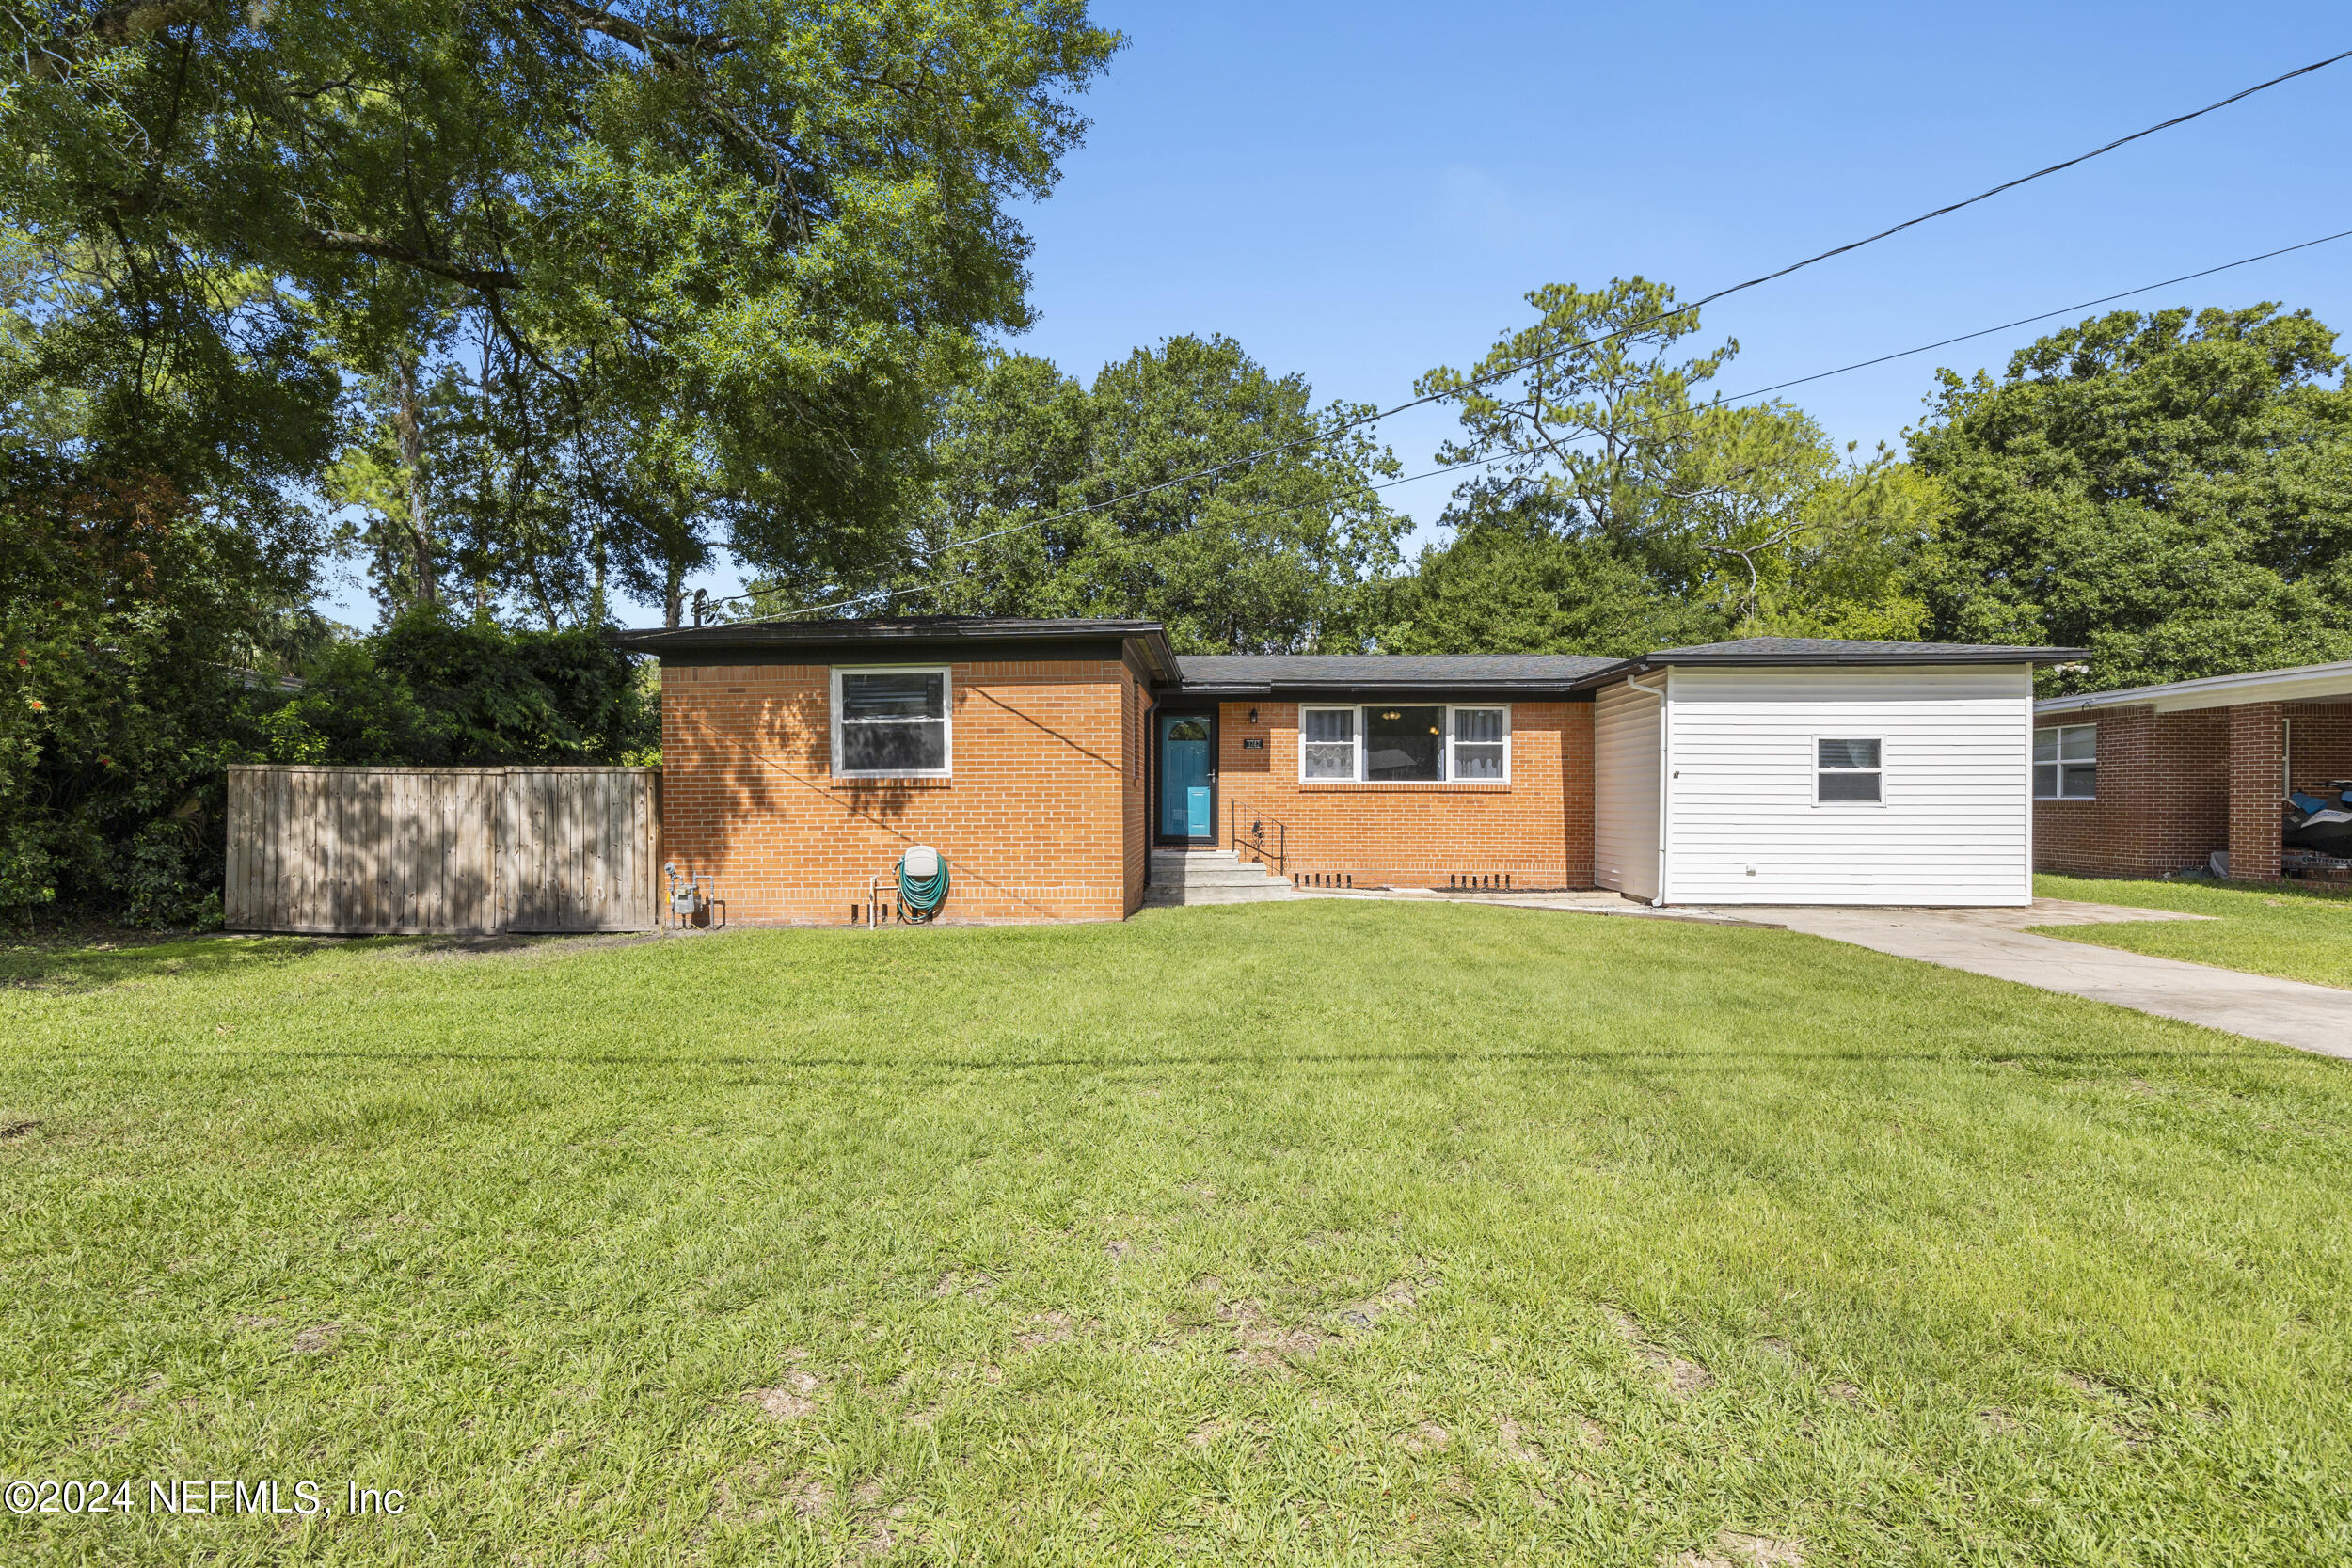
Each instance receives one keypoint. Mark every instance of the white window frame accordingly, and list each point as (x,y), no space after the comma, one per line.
(1355,732)
(947,719)
(1453,739)
(2059,761)
(1813,757)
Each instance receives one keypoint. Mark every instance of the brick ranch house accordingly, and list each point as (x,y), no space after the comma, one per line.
(2156,779)
(1055,763)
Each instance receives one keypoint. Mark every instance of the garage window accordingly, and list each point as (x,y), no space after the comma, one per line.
(1846,771)
(2066,763)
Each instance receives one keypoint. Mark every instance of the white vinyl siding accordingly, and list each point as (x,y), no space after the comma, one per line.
(1624,789)
(1954,821)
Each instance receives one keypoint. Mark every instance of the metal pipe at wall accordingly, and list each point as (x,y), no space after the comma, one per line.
(1665,758)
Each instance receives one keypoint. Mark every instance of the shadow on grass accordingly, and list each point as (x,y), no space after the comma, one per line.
(34,966)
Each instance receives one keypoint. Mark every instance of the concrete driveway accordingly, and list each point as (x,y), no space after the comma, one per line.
(1989,942)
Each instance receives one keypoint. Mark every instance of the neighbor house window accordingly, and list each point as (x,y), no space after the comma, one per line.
(1403,742)
(1481,737)
(2066,763)
(1846,770)
(890,724)
(1328,736)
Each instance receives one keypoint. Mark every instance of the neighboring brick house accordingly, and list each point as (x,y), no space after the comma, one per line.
(1053,762)
(2151,780)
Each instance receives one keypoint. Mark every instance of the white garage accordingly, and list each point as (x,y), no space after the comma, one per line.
(1795,770)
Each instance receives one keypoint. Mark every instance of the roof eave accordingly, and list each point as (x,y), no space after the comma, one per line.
(2301,683)
(1864,662)
(1466,685)
(1148,636)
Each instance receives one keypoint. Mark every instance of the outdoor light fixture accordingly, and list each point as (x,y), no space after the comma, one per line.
(1253,715)
(1392,715)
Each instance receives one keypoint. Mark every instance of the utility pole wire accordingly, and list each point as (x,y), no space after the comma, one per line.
(1529,451)
(1514,369)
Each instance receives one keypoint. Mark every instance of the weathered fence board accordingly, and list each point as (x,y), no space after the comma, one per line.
(417,849)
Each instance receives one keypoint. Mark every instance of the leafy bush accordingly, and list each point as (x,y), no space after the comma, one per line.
(433,692)
(145,645)
(128,625)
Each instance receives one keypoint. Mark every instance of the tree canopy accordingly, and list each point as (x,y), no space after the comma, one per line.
(2172,491)
(1615,509)
(1283,553)
(677,251)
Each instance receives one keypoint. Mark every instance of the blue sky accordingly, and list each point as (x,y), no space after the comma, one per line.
(1359,191)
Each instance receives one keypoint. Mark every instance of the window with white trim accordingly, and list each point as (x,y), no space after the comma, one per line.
(1403,743)
(1327,743)
(891,722)
(1482,745)
(2066,763)
(1846,771)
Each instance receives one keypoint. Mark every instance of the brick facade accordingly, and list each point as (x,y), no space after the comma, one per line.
(2319,742)
(2257,784)
(2167,799)
(1040,821)
(2163,802)
(1536,828)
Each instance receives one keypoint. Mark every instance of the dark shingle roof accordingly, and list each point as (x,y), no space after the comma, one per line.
(1398,672)
(1834,650)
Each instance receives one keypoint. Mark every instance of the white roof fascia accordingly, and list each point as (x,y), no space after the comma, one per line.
(2301,684)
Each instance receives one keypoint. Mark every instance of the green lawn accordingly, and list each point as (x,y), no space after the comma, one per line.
(2283,929)
(1299,1233)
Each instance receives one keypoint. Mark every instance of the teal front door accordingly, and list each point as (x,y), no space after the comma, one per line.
(1187,805)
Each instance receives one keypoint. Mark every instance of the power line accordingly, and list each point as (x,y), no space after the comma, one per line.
(1531,451)
(1907,353)
(1514,369)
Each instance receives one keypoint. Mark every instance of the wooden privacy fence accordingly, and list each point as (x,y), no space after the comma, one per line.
(415,850)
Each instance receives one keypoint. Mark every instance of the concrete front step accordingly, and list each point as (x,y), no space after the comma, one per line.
(1213,875)
(1218,877)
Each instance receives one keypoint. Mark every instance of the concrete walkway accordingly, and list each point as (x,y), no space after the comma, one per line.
(1989,942)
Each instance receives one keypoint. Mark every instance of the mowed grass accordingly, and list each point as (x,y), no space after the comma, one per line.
(1303,1233)
(2295,931)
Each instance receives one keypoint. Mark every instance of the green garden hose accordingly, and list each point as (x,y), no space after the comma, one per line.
(920,897)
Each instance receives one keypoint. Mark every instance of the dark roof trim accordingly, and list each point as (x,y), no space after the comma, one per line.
(1700,659)
(1468,689)
(948,637)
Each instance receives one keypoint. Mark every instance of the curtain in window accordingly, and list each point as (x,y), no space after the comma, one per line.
(1478,743)
(1330,740)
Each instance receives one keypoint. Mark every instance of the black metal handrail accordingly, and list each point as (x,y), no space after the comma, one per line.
(1254,839)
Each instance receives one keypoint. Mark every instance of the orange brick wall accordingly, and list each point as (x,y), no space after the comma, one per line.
(1135,717)
(1041,821)
(1538,829)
